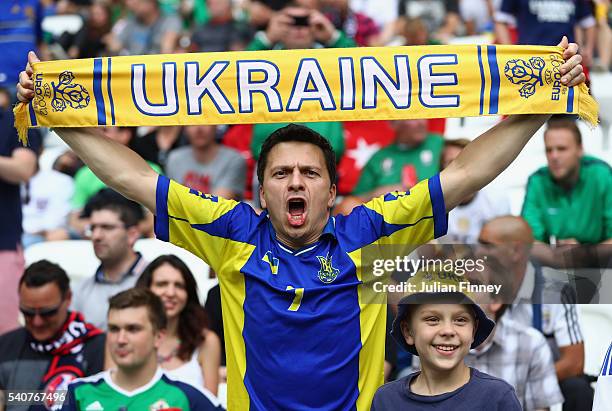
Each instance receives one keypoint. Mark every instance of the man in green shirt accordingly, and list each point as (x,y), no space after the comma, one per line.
(136,320)
(414,156)
(569,201)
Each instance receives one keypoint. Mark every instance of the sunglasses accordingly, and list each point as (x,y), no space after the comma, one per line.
(43,312)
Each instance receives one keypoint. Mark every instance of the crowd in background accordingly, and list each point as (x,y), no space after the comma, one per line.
(67,201)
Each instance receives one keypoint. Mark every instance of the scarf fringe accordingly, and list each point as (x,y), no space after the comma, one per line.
(587,106)
(22,122)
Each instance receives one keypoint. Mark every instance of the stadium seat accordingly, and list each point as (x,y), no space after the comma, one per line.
(79,261)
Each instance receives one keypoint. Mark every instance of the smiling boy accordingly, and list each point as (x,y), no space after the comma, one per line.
(441,328)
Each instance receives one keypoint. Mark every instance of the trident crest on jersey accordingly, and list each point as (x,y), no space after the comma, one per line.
(327,273)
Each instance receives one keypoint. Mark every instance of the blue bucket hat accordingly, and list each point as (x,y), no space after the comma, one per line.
(443,281)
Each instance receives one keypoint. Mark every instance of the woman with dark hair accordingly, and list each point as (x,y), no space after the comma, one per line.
(189,351)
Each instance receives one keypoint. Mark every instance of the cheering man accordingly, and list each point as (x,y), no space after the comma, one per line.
(298,333)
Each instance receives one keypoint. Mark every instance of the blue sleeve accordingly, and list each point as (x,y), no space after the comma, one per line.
(509,401)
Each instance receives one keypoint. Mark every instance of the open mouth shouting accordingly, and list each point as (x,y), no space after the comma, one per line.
(296,211)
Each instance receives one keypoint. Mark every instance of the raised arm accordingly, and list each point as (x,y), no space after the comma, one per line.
(488,155)
(115,164)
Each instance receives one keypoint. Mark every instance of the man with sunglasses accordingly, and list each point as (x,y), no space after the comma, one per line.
(55,346)
(113,230)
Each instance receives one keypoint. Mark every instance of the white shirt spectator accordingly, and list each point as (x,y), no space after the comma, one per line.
(520,356)
(560,324)
(49,194)
(381,11)
(466,221)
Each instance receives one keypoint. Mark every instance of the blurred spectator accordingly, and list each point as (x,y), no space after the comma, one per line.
(155,145)
(384,12)
(188,351)
(90,40)
(545,22)
(46,207)
(137,322)
(355,25)
(466,220)
(56,346)
(238,137)
(261,11)
(547,306)
(516,353)
(206,165)
(477,16)
(17,165)
(194,12)
(414,32)
(221,32)
(114,230)
(87,184)
(440,16)
(569,201)
(603,15)
(20,32)
(413,157)
(68,163)
(297,27)
(146,30)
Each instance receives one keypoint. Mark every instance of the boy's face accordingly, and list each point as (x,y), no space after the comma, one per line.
(441,333)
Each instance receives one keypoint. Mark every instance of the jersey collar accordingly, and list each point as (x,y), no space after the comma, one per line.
(328,231)
(109,380)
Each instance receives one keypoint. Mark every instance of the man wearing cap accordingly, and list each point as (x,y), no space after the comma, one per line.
(440,328)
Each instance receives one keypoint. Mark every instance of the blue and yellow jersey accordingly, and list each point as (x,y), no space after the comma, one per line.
(298,336)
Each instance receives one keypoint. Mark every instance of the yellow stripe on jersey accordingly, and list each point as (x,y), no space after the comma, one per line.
(188,208)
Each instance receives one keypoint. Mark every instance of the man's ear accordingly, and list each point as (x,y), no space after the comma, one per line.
(262,200)
(159,336)
(332,196)
(407,333)
(133,233)
(68,297)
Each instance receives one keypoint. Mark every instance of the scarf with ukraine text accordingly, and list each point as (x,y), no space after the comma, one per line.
(302,86)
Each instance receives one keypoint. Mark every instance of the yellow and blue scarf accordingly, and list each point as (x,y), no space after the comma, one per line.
(302,86)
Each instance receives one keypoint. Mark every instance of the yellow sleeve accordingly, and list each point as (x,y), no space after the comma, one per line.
(200,223)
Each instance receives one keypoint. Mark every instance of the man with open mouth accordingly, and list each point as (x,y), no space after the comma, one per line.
(299,333)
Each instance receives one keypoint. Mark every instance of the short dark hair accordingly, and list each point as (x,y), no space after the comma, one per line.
(557,123)
(44,272)
(192,319)
(140,297)
(130,212)
(303,134)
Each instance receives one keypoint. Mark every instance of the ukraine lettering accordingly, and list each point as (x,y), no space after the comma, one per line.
(310,83)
